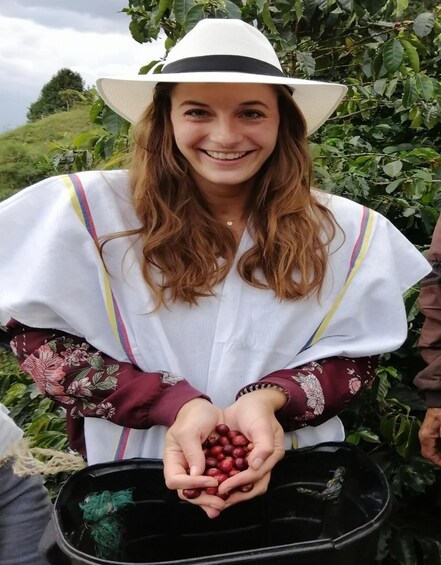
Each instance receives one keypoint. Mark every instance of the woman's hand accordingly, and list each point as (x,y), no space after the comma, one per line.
(184,461)
(253,415)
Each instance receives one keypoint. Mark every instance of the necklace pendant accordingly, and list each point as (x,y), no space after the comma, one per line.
(229,223)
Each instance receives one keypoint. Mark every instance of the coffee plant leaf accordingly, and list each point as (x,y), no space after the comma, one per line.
(393,54)
(181,8)
(423,24)
(411,54)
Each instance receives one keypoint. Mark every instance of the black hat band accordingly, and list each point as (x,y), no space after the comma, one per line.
(222,63)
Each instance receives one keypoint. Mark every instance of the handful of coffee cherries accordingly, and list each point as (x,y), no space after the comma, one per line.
(225,456)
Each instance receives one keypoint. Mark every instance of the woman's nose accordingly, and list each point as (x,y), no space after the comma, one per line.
(225,131)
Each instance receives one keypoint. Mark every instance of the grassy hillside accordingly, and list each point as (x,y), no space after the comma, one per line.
(26,152)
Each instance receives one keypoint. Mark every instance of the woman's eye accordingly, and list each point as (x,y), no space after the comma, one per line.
(252,114)
(196,113)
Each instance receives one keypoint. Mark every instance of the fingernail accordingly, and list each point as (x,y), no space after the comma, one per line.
(257,463)
(193,470)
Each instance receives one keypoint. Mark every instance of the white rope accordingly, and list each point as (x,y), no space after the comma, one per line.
(29,461)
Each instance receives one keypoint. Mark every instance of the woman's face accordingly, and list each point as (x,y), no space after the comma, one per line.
(225,131)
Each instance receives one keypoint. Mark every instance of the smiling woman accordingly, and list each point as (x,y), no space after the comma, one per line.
(209,284)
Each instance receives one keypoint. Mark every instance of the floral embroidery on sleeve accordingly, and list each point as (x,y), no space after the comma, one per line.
(92,375)
(319,389)
(354,385)
(105,410)
(89,383)
(314,395)
(47,372)
(169,379)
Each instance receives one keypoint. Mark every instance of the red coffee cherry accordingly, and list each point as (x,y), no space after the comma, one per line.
(211,462)
(241,463)
(211,490)
(191,493)
(240,440)
(226,465)
(228,449)
(222,429)
(239,452)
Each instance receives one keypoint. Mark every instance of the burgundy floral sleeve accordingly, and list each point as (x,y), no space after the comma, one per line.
(88,383)
(319,390)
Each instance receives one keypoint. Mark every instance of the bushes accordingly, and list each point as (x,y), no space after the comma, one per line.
(27,153)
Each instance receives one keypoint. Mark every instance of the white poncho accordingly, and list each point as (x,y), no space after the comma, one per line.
(52,276)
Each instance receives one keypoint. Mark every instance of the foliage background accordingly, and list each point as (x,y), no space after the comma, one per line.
(381,148)
(27,153)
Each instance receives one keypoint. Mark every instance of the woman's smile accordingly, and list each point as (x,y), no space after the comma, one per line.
(221,156)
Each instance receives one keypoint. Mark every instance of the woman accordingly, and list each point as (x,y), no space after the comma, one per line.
(211,284)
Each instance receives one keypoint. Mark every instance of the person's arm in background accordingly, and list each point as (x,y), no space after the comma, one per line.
(429,379)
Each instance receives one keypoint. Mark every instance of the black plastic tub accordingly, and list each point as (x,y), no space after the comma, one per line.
(284,526)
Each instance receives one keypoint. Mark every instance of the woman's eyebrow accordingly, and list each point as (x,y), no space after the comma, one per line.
(254,103)
(194,103)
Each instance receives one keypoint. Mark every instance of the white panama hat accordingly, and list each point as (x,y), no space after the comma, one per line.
(222,51)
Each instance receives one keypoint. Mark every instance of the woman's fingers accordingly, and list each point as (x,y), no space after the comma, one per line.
(184,460)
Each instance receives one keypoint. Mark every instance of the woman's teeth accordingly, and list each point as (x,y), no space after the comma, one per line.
(225,156)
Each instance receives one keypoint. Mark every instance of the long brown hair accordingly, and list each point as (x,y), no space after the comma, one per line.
(192,251)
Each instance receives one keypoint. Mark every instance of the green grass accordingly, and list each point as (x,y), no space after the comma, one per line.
(26,152)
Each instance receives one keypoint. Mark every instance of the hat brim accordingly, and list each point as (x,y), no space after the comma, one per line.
(130,97)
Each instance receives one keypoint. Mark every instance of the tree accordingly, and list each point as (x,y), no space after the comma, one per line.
(52,99)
